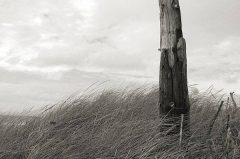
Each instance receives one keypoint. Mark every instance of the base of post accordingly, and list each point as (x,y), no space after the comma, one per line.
(176,125)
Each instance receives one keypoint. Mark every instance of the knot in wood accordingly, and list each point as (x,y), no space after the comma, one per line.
(175,4)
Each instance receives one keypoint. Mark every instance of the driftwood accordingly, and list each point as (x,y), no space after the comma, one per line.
(214,119)
(173,86)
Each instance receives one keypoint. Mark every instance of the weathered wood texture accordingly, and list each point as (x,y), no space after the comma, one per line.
(174,99)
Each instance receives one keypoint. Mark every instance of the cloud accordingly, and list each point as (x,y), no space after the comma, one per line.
(26,90)
(50,49)
(217,64)
(84,36)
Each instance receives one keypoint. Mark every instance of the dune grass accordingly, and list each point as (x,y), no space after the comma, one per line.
(121,124)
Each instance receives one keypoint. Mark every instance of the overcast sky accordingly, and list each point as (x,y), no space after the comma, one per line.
(50,49)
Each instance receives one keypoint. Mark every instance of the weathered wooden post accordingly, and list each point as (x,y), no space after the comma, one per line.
(173,86)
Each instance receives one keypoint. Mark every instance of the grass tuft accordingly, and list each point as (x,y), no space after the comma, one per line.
(122,124)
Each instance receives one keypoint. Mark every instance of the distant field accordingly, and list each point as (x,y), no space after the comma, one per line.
(121,124)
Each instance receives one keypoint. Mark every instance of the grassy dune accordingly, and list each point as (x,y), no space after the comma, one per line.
(122,124)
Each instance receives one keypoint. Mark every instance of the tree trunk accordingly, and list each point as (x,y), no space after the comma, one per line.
(173,86)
